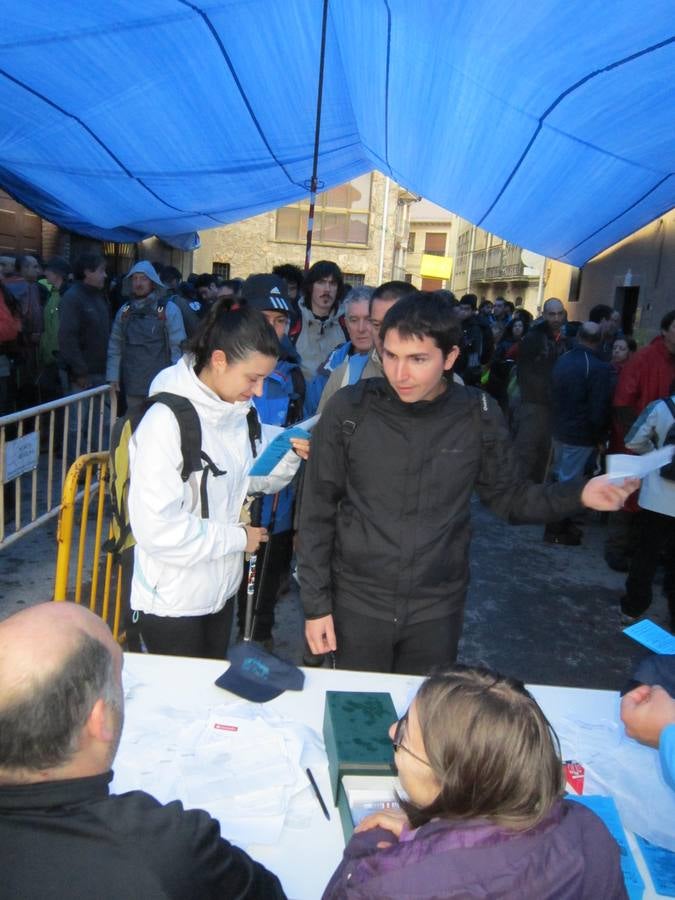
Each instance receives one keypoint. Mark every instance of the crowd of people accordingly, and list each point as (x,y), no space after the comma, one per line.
(557,395)
(424,399)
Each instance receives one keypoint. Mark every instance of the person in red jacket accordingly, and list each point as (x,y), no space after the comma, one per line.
(648,374)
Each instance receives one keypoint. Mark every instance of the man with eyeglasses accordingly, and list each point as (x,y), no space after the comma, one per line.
(381,301)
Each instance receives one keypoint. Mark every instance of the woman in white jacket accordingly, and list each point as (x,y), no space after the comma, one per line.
(187,568)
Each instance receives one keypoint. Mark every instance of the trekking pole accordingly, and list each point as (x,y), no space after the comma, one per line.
(256,515)
(264,564)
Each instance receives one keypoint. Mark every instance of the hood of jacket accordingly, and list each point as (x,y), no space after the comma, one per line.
(142,268)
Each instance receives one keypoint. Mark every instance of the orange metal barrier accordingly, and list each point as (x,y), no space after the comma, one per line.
(87,477)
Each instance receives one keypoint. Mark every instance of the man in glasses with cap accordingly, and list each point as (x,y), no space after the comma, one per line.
(281,404)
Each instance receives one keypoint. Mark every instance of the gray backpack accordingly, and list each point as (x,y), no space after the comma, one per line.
(145,345)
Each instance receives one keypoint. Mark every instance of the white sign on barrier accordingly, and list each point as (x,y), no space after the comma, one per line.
(21,456)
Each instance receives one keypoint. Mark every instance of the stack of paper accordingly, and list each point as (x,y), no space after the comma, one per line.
(245,765)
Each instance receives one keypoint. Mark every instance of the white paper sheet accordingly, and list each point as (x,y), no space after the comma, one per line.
(622,465)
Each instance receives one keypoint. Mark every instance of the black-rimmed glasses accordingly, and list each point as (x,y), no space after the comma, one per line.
(397,740)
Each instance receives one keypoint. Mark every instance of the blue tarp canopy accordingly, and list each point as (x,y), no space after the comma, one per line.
(548,123)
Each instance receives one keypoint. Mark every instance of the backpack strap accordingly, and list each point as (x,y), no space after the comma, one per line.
(297,403)
(362,398)
(671,406)
(254,429)
(189,427)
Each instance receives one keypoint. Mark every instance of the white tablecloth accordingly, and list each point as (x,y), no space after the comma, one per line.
(306,856)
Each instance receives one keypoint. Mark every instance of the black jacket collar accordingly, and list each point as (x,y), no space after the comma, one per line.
(47,794)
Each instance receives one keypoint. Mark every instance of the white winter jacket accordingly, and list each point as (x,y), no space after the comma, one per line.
(185,565)
(647,433)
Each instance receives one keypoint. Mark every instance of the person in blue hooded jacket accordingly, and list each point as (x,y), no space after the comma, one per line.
(146,336)
(281,404)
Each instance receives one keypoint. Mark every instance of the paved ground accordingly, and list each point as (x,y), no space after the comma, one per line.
(546,614)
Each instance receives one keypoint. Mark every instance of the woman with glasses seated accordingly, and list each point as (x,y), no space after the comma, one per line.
(484,815)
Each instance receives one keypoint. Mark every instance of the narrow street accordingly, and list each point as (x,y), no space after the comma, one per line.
(545,614)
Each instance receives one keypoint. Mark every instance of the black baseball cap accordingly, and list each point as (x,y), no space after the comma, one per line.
(257,675)
(266,292)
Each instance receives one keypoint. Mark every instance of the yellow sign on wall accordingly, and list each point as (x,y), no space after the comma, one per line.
(435,266)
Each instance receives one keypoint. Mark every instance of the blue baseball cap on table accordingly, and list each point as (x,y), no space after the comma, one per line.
(257,675)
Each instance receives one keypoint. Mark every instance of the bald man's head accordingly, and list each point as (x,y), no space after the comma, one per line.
(56,661)
(554,313)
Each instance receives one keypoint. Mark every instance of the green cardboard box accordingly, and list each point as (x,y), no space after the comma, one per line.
(356,734)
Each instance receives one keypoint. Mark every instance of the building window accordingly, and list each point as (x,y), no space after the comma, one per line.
(356,280)
(408,277)
(221,268)
(434,243)
(411,242)
(341,216)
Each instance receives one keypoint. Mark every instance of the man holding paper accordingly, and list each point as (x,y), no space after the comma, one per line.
(385,517)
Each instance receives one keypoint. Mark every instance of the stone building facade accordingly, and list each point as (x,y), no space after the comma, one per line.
(362,226)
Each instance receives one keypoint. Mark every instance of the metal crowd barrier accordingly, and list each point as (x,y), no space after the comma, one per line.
(36,446)
(96,578)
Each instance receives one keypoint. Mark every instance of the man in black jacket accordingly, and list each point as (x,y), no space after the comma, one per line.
(84,324)
(539,350)
(384,523)
(582,401)
(61,833)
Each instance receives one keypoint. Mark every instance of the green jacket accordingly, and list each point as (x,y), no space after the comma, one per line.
(49,340)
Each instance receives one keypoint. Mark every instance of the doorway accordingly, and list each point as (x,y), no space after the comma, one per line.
(626,301)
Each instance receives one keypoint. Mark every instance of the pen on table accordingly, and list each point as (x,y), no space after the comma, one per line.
(317,794)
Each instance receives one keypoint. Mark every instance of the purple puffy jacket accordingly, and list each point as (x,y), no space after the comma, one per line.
(569,855)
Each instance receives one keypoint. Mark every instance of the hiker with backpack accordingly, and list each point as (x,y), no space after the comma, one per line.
(654,428)
(280,403)
(185,517)
(385,515)
(146,335)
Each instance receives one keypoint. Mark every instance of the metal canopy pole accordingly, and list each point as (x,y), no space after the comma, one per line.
(313,185)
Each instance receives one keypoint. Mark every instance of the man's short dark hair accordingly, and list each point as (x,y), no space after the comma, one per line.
(324,268)
(469,300)
(58,264)
(205,280)
(421,315)
(444,294)
(600,312)
(290,273)
(391,290)
(667,320)
(169,273)
(87,262)
(42,730)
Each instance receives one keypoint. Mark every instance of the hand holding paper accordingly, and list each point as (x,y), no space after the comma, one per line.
(603,494)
